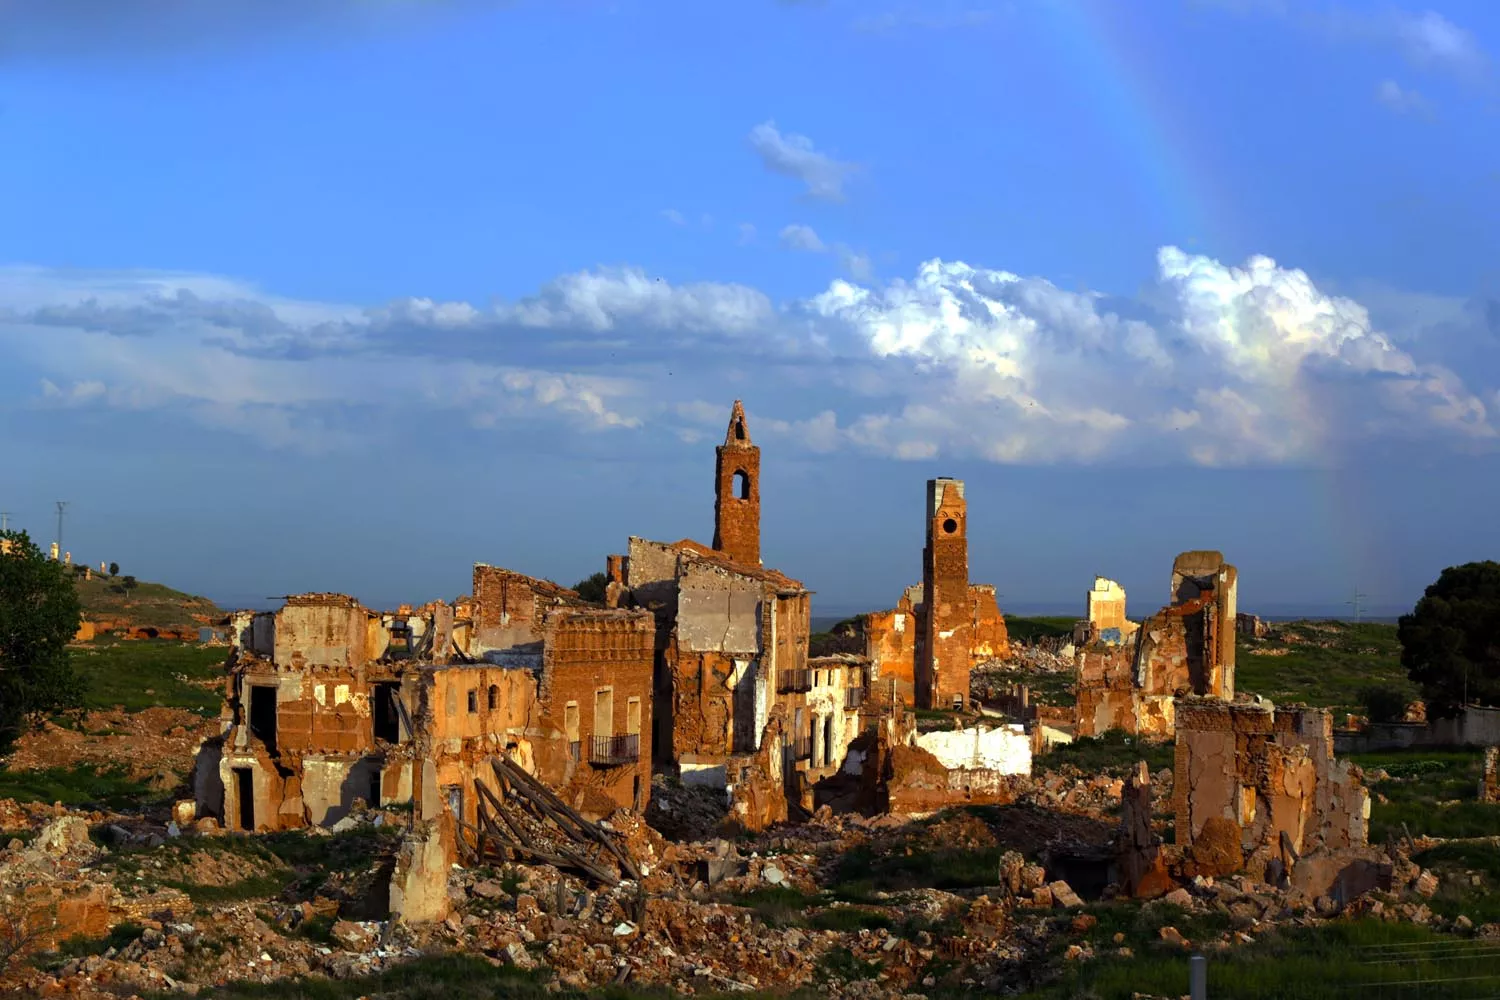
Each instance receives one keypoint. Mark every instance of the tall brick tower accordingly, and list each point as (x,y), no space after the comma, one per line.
(737,493)
(942,669)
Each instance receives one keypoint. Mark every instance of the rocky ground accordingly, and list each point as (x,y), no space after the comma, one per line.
(117,905)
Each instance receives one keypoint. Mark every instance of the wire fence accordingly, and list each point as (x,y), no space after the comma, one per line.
(1456,969)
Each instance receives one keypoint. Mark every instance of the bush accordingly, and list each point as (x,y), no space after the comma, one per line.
(1383,703)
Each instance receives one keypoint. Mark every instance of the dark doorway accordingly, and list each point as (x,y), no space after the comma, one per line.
(263,715)
(244,793)
(374,799)
(387,718)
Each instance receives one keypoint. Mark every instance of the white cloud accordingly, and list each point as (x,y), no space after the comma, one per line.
(800,237)
(1217,365)
(1402,101)
(1425,39)
(673,216)
(793,155)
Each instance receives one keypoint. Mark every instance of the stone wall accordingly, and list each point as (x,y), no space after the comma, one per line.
(1253,784)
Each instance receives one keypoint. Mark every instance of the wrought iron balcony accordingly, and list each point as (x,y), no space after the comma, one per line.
(609,751)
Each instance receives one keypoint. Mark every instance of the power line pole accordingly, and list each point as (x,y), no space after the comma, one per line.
(60,505)
(1355,603)
(4,520)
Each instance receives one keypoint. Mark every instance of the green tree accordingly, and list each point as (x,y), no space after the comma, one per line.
(592,588)
(1384,703)
(114,569)
(39,615)
(1450,643)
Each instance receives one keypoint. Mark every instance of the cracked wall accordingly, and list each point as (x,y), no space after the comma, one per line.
(1253,784)
(1185,648)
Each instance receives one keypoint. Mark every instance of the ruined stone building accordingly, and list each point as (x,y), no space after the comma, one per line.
(1258,788)
(735,693)
(1185,648)
(325,701)
(924,659)
(1104,622)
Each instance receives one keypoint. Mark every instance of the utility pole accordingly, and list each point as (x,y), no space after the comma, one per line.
(4,520)
(1355,603)
(60,505)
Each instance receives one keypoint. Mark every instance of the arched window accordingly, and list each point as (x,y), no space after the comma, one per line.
(742,484)
(739,430)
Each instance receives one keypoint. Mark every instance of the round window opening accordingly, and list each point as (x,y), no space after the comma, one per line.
(950,526)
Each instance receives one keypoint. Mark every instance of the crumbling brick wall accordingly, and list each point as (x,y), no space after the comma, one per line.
(737,493)
(509,608)
(1252,781)
(891,646)
(988,636)
(1489,780)
(944,661)
(1106,612)
(1185,648)
(594,657)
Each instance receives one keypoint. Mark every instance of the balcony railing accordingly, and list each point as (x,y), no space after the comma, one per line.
(853,699)
(802,748)
(608,751)
(793,680)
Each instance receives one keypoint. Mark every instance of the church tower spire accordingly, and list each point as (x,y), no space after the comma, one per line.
(737,492)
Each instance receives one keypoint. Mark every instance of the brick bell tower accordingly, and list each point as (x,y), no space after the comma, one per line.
(737,493)
(942,668)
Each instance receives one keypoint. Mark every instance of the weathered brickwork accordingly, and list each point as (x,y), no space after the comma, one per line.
(1489,778)
(943,664)
(323,695)
(1253,785)
(737,493)
(1186,648)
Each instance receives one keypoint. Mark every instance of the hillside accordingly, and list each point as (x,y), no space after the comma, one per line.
(110,606)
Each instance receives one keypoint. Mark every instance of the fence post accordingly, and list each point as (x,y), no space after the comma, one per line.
(1198,978)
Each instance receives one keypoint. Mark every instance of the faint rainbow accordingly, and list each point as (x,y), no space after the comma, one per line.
(1104,47)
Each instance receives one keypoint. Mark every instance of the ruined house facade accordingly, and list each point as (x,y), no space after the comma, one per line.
(736,696)
(1185,648)
(326,701)
(1104,621)
(1258,786)
(923,659)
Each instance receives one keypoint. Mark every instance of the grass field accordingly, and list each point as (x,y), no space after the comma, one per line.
(1029,629)
(1326,664)
(147,604)
(148,673)
(1432,792)
(79,785)
(1345,959)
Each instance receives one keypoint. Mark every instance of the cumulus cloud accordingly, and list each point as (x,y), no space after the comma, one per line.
(1218,364)
(793,155)
(800,237)
(1404,102)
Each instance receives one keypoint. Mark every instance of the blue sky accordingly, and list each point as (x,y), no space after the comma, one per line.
(348,296)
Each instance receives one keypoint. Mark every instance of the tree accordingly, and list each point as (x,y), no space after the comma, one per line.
(592,588)
(1450,643)
(1384,703)
(128,582)
(114,569)
(39,615)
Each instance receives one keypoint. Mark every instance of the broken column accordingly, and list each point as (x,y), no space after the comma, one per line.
(1143,865)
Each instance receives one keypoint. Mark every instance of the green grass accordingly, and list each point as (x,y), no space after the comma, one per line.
(151,605)
(1356,656)
(144,673)
(79,785)
(1114,751)
(451,977)
(1027,629)
(298,864)
(1340,959)
(865,870)
(1432,792)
